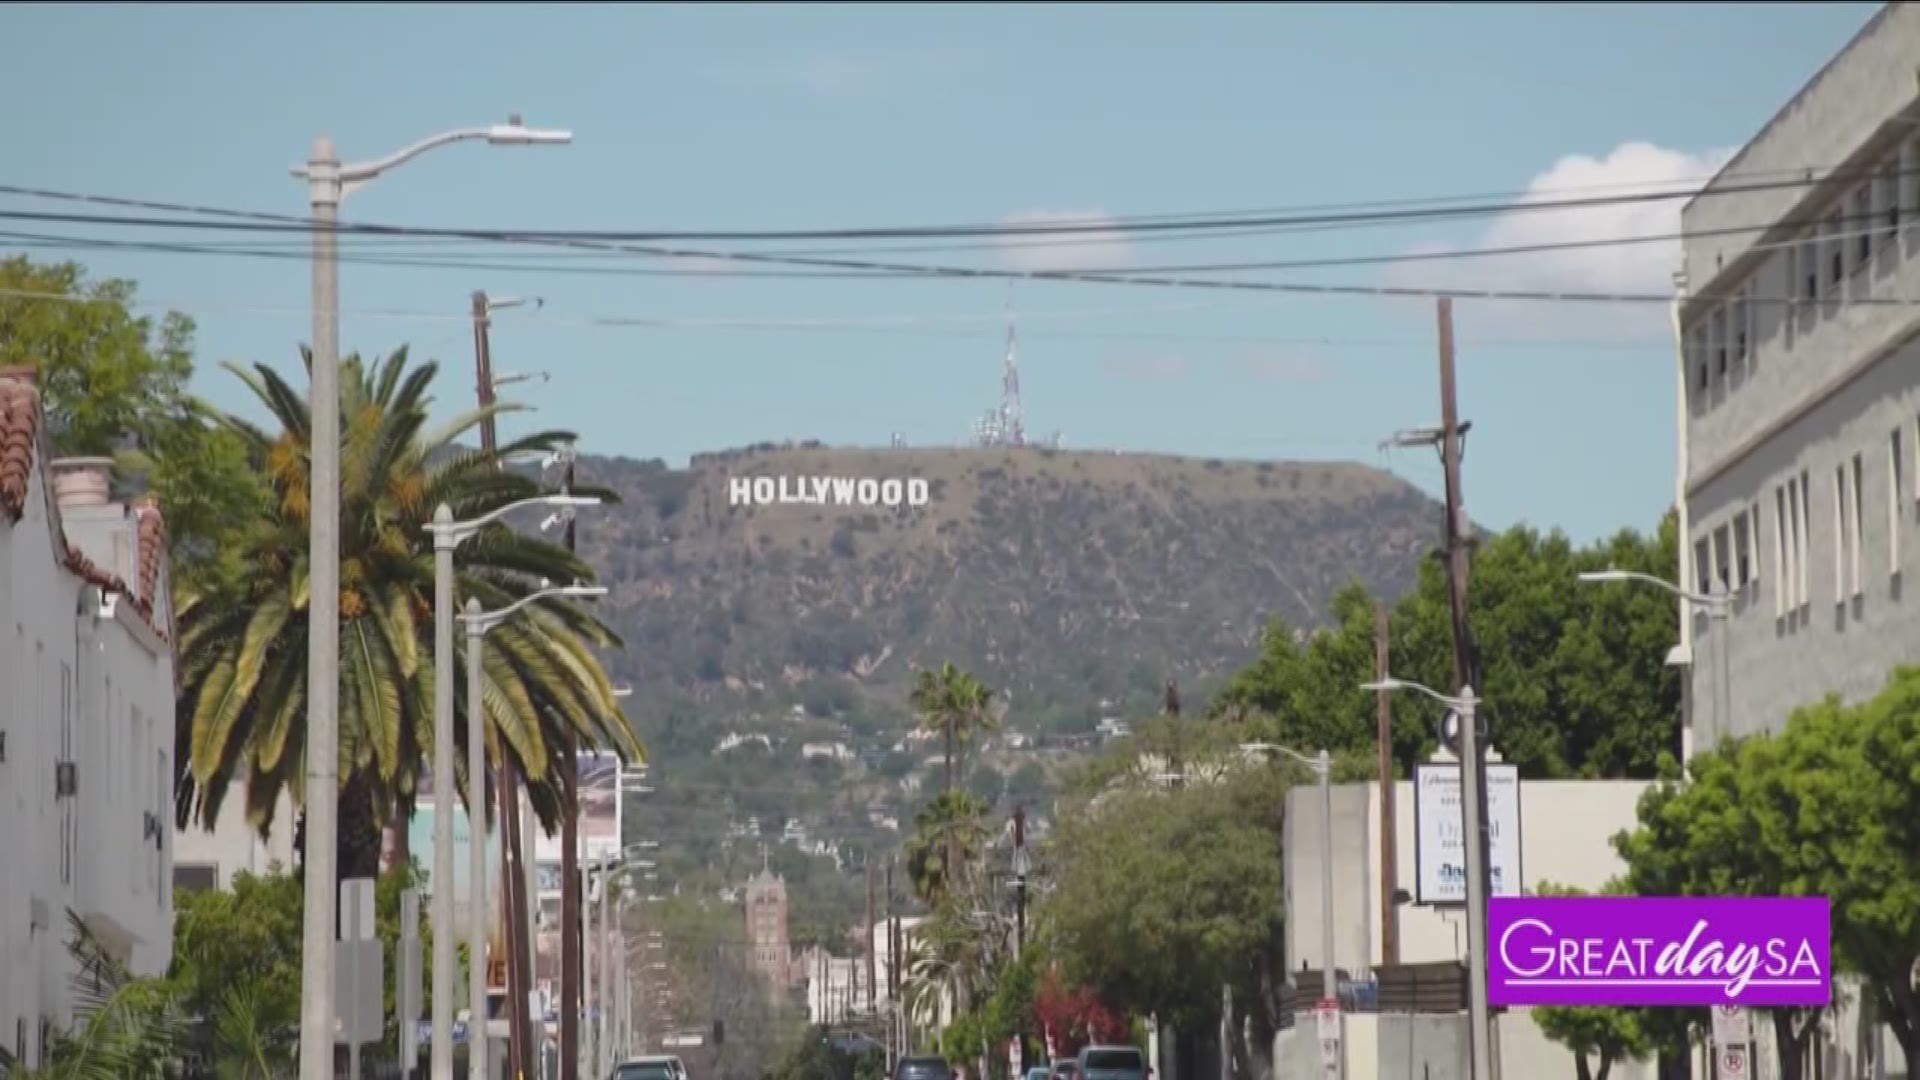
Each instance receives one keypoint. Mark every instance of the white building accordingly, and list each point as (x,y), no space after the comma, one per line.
(86,723)
(1565,831)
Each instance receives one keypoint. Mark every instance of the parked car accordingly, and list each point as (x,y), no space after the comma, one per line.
(922,1068)
(1067,1069)
(663,1067)
(1040,1072)
(1113,1063)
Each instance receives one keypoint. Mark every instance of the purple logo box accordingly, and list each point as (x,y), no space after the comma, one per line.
(1658,950)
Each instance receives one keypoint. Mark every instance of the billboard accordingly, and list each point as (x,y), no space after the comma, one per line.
(1439,847)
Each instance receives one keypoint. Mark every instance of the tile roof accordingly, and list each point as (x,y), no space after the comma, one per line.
(21,452)
(19,435)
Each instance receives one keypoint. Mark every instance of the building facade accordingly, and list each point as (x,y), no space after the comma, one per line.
(1801,458)
(766,904)
(86,723)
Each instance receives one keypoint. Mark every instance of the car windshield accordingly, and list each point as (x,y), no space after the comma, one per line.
(647,1070)
(923,1069)
(1115,1059)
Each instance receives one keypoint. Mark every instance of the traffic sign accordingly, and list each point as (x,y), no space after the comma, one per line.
(360,975)
(1730,1026)
(1326,1014)
(1733,1063)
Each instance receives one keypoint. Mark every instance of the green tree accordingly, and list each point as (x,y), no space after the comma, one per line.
(1576,679)
(243,647)
(1164,896)
(116,384)
(947,834)
(954,705)
(1599,1037)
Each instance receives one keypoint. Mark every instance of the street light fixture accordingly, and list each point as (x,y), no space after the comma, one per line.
(479,623)
(1322,766)
(448,535)
(1719,606)
(328,183)
(1466,705)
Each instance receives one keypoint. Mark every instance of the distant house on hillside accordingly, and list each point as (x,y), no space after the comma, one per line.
(830,751)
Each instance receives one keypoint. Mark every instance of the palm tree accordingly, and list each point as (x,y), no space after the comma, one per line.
(948,832)
(954,705)
(243,645)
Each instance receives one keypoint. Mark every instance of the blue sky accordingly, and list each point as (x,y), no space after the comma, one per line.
(801,116)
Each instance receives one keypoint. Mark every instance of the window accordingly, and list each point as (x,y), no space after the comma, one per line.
(1836,256)
(1803,536)
(1722,560)
(1886,200)
(1808,267)
(1840,534)
(1753,545)
(1742,325)
(1896,466)
(1703,562)
(1717,341)
(1697,355)
(1742,554)
(1856,509)
(1861,225)
(1780,552)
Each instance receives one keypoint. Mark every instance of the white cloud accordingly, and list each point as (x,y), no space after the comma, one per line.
(1631,168)
(1104,246)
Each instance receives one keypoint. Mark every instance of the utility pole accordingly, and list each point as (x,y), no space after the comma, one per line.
(1466,655)
(1389,854)
(1020,885)
(873,982)
(514,906)
(570,881)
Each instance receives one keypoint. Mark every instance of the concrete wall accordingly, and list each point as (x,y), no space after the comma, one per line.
(97,692)
(1840,107)
(232,846)
(1565,829)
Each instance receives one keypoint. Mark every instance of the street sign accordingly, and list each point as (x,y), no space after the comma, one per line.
(1326,1014)
(423,1032)
(1733,1063)
(356,909)
(358,1006)
(1730,1026)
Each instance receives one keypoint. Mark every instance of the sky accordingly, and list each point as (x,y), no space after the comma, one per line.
(743,117)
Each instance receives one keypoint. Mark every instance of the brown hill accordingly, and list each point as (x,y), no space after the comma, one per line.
(1066,578)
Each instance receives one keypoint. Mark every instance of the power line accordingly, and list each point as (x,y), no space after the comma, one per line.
(254,221)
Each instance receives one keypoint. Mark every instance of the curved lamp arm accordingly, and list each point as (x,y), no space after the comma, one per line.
(1402,684)
(1311,761)
(1707,600)
(452,533)
(480,622)
(367,170)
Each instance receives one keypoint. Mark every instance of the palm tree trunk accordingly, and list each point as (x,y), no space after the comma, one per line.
(359,839)
(402,839)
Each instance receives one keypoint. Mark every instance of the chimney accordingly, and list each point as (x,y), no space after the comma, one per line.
(82,481)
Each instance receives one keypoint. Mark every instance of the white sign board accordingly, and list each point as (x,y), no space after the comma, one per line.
(1440,850)
(1326,1015)
(1730,1027)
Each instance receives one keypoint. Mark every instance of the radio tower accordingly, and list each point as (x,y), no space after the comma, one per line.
(1012,430)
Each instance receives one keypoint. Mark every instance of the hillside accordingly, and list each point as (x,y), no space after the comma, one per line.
(1066,579)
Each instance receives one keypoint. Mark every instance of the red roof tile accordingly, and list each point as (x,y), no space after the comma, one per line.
(20,439)
(19,436)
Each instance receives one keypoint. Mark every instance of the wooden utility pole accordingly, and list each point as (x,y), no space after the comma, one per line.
(1389,852)
(873,983)
(514,909)
(1466,656)
(570,882)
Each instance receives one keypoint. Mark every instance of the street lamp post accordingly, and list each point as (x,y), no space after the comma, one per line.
(1322,766)
(1719,606)
(448,534)
(478,624)
(329,182)
(1467,706)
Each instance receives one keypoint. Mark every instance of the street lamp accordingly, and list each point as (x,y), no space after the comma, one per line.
(328,183)
(1718,605)
(1322,766)
(448,535)
(1466,706)
(479,623)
